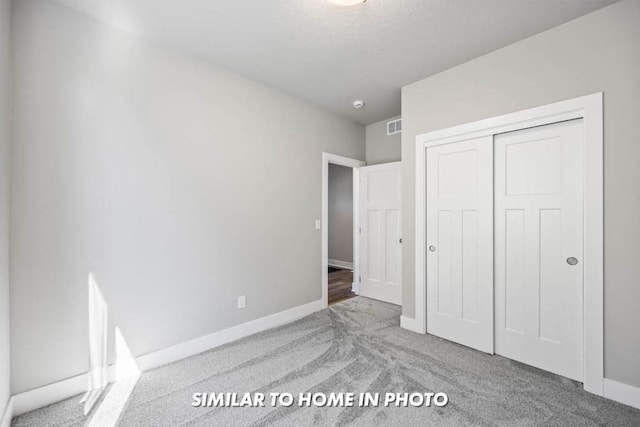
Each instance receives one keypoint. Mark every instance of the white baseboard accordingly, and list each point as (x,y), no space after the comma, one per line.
(623,393)
(340,264)
(198,345)
(52,393)
(410,324)
(5,421)
(48,394)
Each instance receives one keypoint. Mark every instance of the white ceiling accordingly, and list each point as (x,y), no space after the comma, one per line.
(332,55)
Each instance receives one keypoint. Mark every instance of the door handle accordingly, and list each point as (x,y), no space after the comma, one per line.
(432,248)
(572,261)
(400,240)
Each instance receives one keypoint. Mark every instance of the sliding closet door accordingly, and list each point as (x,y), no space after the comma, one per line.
(459,208)
(539,246)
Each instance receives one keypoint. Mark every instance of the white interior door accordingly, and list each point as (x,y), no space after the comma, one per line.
(539,233)
(459,194)
(380,247)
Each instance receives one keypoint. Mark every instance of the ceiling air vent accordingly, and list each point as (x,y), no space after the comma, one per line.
(394,126)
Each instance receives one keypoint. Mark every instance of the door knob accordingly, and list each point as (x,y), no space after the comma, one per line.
(572,261)
(400,240)
(432,248)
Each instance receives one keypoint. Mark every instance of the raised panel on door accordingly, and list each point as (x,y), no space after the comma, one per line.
(381,251)
(470,257)
(539,226)
(372,251)
(459,207)
(393,254)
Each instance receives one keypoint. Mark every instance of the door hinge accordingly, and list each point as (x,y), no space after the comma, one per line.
(360,230)
(360,279)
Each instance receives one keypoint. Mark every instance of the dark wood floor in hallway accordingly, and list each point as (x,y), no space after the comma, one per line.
(340,282)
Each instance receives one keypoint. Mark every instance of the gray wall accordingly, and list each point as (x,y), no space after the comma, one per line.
(5,135)
(382,148)
(178,184)
(598,52)
(340,209)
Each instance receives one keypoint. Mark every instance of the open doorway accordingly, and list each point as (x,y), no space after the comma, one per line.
(340,243)
(340,233)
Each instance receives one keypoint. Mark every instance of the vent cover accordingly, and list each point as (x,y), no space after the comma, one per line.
(394,126)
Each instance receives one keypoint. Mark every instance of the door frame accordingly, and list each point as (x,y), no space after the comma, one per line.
(590,109)
(329,158)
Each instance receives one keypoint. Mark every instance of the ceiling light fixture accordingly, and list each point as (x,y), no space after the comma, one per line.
(358,104)
(346,2)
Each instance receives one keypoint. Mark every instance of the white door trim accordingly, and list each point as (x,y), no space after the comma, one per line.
(590,109)
(351,163)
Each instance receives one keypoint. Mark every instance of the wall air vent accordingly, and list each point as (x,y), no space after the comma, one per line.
(394,126)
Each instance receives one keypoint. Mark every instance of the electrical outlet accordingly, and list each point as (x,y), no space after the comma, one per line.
(242,302)
(318,223)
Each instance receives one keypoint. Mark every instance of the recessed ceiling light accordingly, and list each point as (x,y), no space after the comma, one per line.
(346,2)
(358,104)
